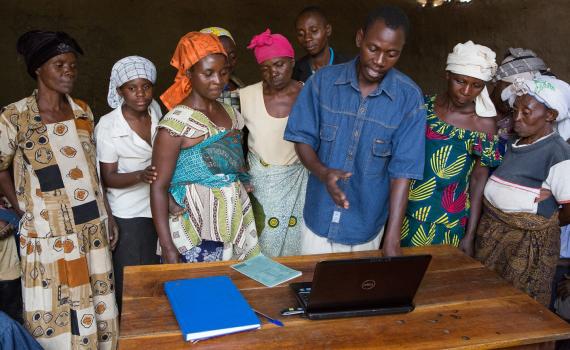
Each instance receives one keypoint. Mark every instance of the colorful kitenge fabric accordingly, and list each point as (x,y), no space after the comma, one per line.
(215,162)
(522,248)
(279,192)
(217,205)
(67,275)
(438,205)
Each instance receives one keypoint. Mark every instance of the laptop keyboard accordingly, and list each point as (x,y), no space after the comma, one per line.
(304,295)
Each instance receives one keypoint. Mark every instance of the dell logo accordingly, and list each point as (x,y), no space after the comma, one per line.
(368,284)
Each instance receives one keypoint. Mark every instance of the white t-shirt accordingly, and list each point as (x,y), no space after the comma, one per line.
(118,143)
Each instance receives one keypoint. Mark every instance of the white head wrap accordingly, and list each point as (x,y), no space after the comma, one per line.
(127,69)
(475,61)
(553,93)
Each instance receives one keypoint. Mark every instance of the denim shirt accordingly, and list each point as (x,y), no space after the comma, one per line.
(377,138)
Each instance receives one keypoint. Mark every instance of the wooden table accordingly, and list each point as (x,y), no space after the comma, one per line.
(460,305)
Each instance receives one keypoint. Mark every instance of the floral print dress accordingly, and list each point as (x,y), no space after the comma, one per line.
(438,205)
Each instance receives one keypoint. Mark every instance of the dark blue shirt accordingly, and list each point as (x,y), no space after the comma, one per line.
(377,138)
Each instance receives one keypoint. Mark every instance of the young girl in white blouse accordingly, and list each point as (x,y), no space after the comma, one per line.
(124,150)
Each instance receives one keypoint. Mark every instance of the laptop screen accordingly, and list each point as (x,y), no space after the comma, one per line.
(366,283)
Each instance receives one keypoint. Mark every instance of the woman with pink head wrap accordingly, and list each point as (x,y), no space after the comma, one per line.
(266,46)
(278,178)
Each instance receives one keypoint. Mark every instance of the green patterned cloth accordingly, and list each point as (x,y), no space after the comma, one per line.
(438,206)
(279,192)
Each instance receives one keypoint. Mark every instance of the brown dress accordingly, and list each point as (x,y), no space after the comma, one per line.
(67,275)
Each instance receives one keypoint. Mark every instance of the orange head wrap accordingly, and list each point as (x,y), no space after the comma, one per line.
(191,48)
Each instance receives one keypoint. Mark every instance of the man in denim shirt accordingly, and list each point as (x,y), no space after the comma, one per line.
(359,129)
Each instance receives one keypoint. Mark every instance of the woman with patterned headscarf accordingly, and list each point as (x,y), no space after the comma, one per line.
(67,275)
(124,150)
(230,93)
(279,179)
(199,159)
(461,145)
(527,198)
(518,63)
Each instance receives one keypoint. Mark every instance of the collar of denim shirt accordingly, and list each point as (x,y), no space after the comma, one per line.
(350,76)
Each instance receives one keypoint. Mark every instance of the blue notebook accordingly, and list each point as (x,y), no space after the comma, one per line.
(208,307)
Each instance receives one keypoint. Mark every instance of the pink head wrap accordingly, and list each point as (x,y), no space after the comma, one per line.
(266,46)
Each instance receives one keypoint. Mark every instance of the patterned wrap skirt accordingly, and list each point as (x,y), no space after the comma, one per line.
(523,248)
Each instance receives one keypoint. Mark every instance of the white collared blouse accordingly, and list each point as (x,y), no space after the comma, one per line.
(116,142)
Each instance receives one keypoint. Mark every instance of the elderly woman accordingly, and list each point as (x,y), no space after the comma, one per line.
(279,179)
(518,63)
(67,275)
(124,138)
(519,233)
(445,206)
(199,159)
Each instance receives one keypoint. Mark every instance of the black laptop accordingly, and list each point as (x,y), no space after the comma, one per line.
(362,287)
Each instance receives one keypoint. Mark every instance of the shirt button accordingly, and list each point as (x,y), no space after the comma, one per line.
(362,110)
(356,134)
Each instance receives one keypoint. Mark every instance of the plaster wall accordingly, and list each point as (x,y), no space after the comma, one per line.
(111,29)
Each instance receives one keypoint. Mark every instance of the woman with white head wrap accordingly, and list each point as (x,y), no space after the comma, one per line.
(519,233)
(553,93)
(478,62)
(445,206)
(124,138)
